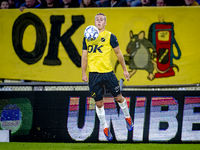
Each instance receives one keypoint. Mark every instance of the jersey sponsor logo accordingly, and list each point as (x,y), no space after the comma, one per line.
(94,48)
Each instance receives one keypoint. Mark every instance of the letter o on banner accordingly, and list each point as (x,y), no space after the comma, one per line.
(20,25)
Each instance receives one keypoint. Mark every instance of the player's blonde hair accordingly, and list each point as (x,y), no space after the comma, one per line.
(102,15)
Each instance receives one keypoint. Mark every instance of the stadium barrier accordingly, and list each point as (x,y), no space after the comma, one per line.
(64,112)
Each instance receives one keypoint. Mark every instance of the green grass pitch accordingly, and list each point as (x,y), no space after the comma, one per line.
(96,146)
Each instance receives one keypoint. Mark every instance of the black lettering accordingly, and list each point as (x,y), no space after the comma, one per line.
(52,56)
(98,48)
(20,25)
(90,48)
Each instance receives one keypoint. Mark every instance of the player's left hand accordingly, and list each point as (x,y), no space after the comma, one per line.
(126,74)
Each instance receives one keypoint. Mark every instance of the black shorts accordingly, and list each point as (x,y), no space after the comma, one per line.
(100,81)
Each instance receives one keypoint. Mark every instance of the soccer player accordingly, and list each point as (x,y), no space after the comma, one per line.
(96,55)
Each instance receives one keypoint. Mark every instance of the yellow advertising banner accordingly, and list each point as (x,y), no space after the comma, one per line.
(160,45)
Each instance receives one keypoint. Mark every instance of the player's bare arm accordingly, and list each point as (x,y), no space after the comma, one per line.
(84,65)
(121,61)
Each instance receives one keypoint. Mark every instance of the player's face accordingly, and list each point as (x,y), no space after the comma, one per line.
(100,22)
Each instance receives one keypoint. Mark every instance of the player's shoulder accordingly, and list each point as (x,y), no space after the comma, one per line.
(113,37)
(108,32)
(111,34)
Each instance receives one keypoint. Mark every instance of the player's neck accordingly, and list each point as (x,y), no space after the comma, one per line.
(101,30)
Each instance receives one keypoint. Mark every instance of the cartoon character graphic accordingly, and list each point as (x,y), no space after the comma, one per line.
(155,53)
(139,55)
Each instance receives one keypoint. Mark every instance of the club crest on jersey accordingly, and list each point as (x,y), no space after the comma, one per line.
(102,39)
